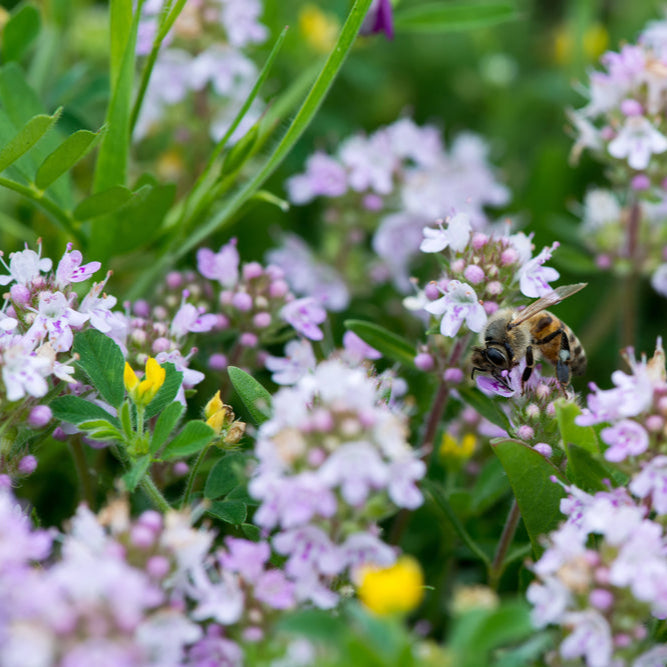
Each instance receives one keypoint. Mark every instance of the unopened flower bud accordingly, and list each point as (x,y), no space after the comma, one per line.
(217,362)
(473,274)
(27,465)
(544,449)
(525,432)
(252,270)
(248,339)
(278,288)
(40,416)
(431,291)
(242,301)
(424,362)
(453,375)
(20,294)
(262,320)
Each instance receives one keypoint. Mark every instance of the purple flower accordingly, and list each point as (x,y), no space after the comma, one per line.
(308,550)
(23,371)
(69,268)
(241,21)
(637,140)
(304,315)
(25,266)
(55,318)
(370,162)
(458,305)
(550,600)
(324,176)
(358,349)
(97,306)
(590,638)
(274,589)
(299,360)
(659,280)
(222,266)
(652,482)
(356,468)
(534,278)
(245,557)
(456,236)
(626,438)
(402,477)
(189,318)
(379,19)
(367,549)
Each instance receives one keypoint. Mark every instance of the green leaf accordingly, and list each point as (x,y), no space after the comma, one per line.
(167,392)
(195,436)
(586,471)
(133,476)
(316,625)
(225,475)
(139,221)
(442,17)
(571,433)
(251,531)
(229,511)
(240,152)
(388,343)
(165,425)
(103,362)
(538,497)
(111,166)
(256,399)
(61,160)
(26,138)
(75,410)
(102,203)
(19,32)
(486,406)
(575,261)
(490,486)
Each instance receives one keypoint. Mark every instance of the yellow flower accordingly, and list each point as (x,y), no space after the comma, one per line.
(397,589)
(594,43)
(319,28)
(216,413)
(458,449)
(142,393)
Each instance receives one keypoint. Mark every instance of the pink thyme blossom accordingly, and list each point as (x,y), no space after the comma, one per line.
(456,236)
(56,319)
(25,266)
(651,482)
(637,140)
(298,361)
(189,319)
(534,278)
(304,315)
(458,305)
(625,438)
(357,349)
(70,270)
(590,638)
(222,266)
(324,176)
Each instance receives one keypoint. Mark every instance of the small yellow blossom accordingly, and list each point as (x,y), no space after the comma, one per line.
(220,418)
(397,589)
(594,43)
(319,28)
(143,392)
(459,449)
(470,598)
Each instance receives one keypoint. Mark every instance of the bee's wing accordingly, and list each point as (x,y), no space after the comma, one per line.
(545,302)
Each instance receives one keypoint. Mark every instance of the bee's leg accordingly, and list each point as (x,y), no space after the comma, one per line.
(563,372)
(530,363)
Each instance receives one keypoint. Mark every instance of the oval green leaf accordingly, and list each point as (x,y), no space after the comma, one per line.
(102,203)
(26,138)
(195,436)
(20,32)
(256,399)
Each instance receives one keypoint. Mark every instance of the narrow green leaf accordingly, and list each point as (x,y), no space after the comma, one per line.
(315,624)
(26,138)
(256,399)
(73,149)
(530,475)
(387,342)
(225,475)
(486,406)
(165,425)
(111,166)
(167,392)
(441,17)
(102,203)
(134,475)
(229,511)
(240,152)
(103,362)
(194,437)
(572,433)
(75,410)
(20,32)
(120,26)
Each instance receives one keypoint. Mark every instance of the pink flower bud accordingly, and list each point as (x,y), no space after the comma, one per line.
(424,361)
(161,344)
(242,301)
(640,182)
(453,375)
(473,274)
(252,270)
(630,107)
(525,432)
(458,265)
(157,567)
(180,469)
(20,294)
(544,449)
(372,202)
(490,307)
(431,291)
(217,362)
(278,289)
(509,256)
(262,320)
(141,308)
(27,465)
(40,416)
(479,240)
(173,280)
(248,339)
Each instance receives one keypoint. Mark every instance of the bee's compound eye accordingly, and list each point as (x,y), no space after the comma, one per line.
(496,357)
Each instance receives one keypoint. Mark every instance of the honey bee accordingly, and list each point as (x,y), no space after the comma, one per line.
(510,335)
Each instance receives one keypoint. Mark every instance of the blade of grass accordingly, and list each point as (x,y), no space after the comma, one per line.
(302,119)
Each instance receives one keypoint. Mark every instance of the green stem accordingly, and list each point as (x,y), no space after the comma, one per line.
(191,477)
(37,196)
(148,485)
(498,564)
(81,465)
(442,502)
